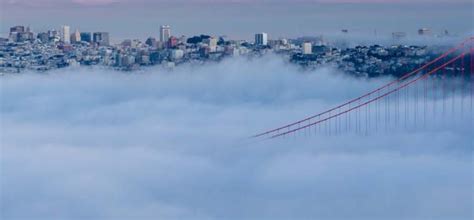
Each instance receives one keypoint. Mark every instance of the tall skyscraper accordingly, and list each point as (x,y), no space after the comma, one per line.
(76,36)
(307,48)
(212,42)
(101,38)
(261,39)
(66,34)
(165,33)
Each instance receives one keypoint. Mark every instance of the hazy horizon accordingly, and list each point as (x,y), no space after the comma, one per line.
(242,20)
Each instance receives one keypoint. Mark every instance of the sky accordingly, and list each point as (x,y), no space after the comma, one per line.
(43,3)
(241,19)
(92,143)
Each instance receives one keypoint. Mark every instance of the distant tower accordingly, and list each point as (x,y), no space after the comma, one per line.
(65,34)
(165,33)
(76,36)
(212,42)
(261,39)
(101,38)
(307,48)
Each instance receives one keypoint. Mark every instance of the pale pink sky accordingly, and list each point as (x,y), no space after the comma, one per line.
(49,3)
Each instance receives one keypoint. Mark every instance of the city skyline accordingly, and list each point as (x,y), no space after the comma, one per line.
(242,20)
(354,35)
(60,49)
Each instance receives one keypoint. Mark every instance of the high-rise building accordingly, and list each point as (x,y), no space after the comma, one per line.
(15,33)
(165,33)
(20,34)
(212,42)
(261,39)
(151,42)
(101,38)
(76,37)
(43,37)
(66,34)
(307,48)
(54,36)
(172,42)
(86,37)
(17,29)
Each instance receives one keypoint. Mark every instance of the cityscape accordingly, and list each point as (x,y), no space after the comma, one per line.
(236,109)
(25,50)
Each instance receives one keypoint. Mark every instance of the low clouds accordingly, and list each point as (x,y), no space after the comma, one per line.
(90,143)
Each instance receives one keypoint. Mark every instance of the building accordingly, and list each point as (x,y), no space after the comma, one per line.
(20,34)
(66,34)
(101,38)
(397,36)
(43,37)
(307,48)
(212,42)
(86,37)
(165,33)
(261,39)
(172,42)
(177,54)
(17,29)
(151,42)
(54,36)
(424,32)
(16,33)
(76,37)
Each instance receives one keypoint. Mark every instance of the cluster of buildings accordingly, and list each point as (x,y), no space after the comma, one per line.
(25,50)
(20,34)
(367,61)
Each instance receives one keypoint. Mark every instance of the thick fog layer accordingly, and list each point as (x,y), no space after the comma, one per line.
(90,143)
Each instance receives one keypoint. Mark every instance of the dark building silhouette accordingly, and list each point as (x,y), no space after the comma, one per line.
(101,38)
(86,37)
